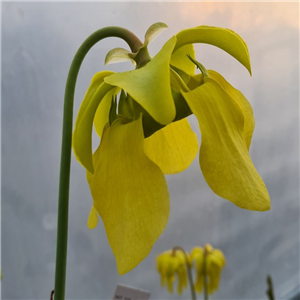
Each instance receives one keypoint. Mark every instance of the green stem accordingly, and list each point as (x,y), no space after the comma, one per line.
(189,271)
(64,180)
(270,291)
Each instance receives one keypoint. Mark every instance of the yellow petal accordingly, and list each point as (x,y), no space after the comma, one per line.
(208,248)
(170,271)
(160,265)
(218,258)
(82,135)
(180,60)
(196,252)
(96,81)
(224,157)
(197,255)
(150,85)
(97,153)
(213,273)
(241,101)
(93,218)
(130,194)
(223,38)
(170,281)
(173,148)
(102,113)
(199,282)
(182,276)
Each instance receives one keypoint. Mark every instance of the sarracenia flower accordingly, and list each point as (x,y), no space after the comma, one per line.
(211,268)
(145,134)
(171,264)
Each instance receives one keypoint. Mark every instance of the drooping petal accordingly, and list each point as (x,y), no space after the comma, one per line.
(96,81)
(102,113)
(218,258)
(181,272)
(154,31)
(160,265)
(236,95)
(82,135)
(180,60)
(170,270)
(130,194)
(242,102)
(223,38)
(173,148)
(224,157)
(150,85)
(93,218)
(197,255)
(213,273)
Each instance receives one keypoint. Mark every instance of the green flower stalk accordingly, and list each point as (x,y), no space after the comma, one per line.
(270,290)
(141,118)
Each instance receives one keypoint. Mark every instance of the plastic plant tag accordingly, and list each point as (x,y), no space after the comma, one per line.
(125,292)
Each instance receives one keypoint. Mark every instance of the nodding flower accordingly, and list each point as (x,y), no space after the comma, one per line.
(141,118)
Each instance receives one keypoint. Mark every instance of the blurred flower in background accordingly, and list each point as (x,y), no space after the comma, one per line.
(206,262)
(145,134)
(170,264)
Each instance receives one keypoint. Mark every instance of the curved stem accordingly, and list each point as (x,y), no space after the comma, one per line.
(64,179)
(189,270)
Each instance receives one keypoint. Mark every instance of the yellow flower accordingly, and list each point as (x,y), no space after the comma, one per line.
(171,264)
(226,123)
(145,134)
(214,264)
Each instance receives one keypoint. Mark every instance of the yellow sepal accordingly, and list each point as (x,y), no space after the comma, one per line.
(150,85)
(223,38)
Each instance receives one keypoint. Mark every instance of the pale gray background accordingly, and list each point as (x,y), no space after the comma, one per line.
(39,41)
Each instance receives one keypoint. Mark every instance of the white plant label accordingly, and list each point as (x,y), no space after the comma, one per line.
(125,292)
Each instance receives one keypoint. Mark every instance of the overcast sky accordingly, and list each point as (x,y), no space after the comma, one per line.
(39,41)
